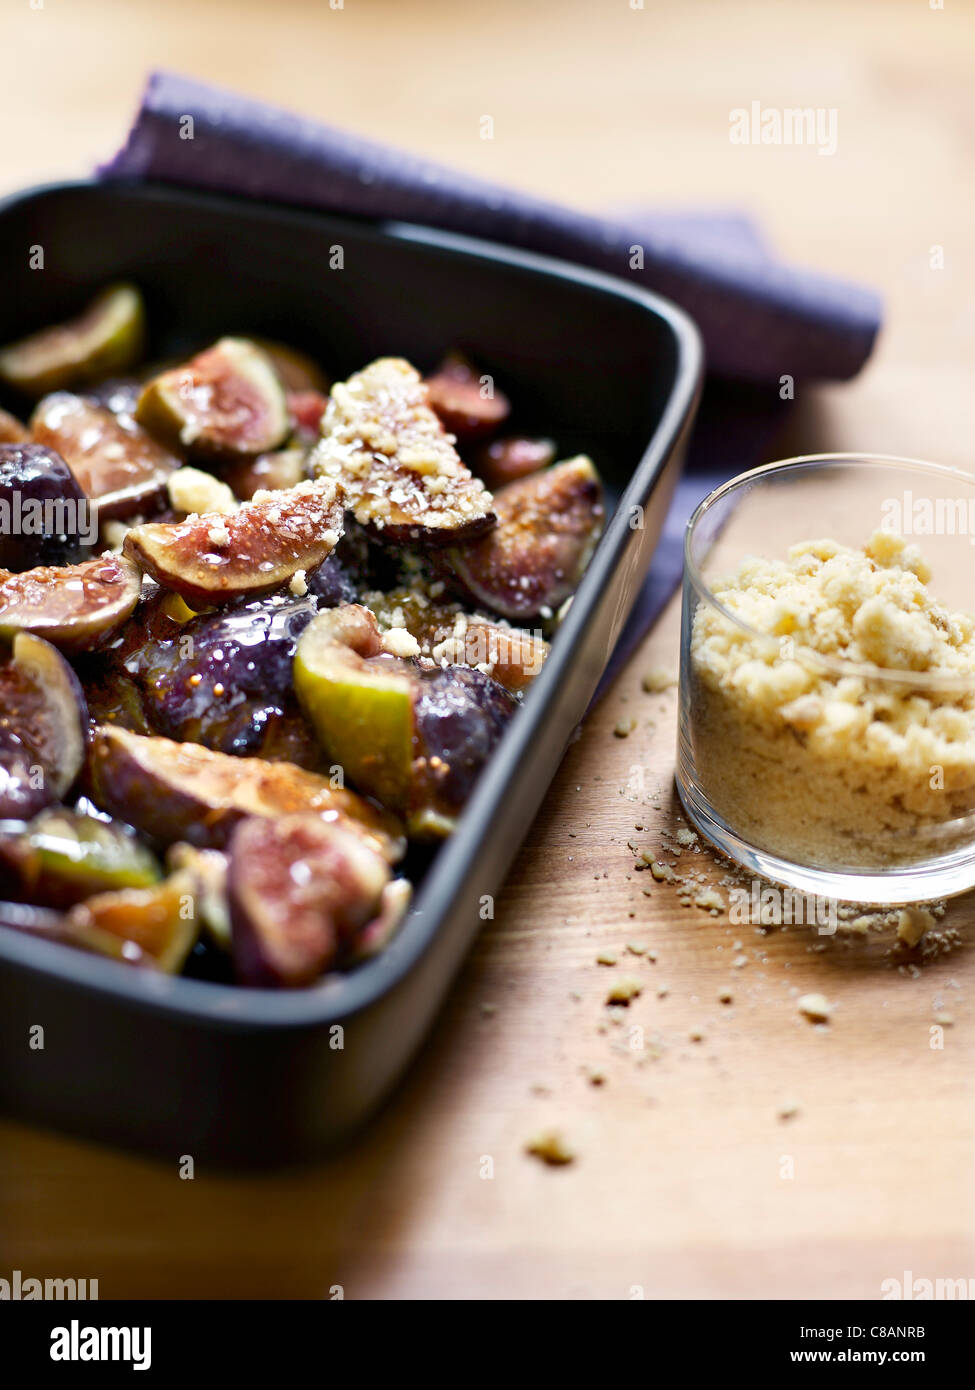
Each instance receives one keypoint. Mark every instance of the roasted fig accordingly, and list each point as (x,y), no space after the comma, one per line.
(46,924)
(275,472)
(415,741)
(61,857)
(548,526)
(76,607)
(209,870)
(43,728)
(162,921)
(401,474)
(225,403)
(360,701)
(11,430)
(180,791)
(299,890)
(121,468)
(504,461)
(468,404)
(459,718)
(307,409)
(446,634)
(224,680)
(105,340)
(213,559)
(377,934)
(45,517)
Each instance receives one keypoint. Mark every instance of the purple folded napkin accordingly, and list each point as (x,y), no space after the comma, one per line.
(760,320)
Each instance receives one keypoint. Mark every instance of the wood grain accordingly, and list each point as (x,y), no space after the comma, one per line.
(679,1185)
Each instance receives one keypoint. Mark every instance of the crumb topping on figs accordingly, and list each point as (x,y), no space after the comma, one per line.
(398,465)
(306,640)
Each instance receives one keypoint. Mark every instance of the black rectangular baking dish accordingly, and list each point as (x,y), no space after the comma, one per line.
(241,1076)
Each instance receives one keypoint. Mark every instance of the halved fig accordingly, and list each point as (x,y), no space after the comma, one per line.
(360,701)
(163,921)
(307,409)
(11,430)
(62,857)
(213,558)
(107,338)
(180,791)
(209,870)
(43,728)
(226,402)
(402,476)
(377,934)
(77,607)
(46,924)
(506,460)
(415,741)
(468,403)
(548,526)
(121,468)
(274,472)
(448,635)
(299,890)
(45,517)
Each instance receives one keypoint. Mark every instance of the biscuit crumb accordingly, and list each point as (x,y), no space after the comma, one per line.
(815,1007)
(551,1148)
(657,679)
(624,990)
(912,923)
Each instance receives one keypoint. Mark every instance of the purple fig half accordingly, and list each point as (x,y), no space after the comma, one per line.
(299,890)
(43,728)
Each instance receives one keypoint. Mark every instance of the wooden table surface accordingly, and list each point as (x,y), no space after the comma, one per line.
(686,1180)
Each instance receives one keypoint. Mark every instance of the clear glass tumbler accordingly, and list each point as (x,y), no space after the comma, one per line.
(850,779)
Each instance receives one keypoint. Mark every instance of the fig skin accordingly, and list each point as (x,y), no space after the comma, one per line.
(454,391)
(299,890)
(398,467)
(105,340)
(215,558)
(43,728)
(504,461)
(62,857)
(359,701)
(414,740)
(548,526)
(121,468)
(11,430)
(45,482)
(75,607)
(225,403)
(224,680)
(180,791)
(460,717)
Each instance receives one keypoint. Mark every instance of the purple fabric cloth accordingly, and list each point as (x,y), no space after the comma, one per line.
(759,319)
